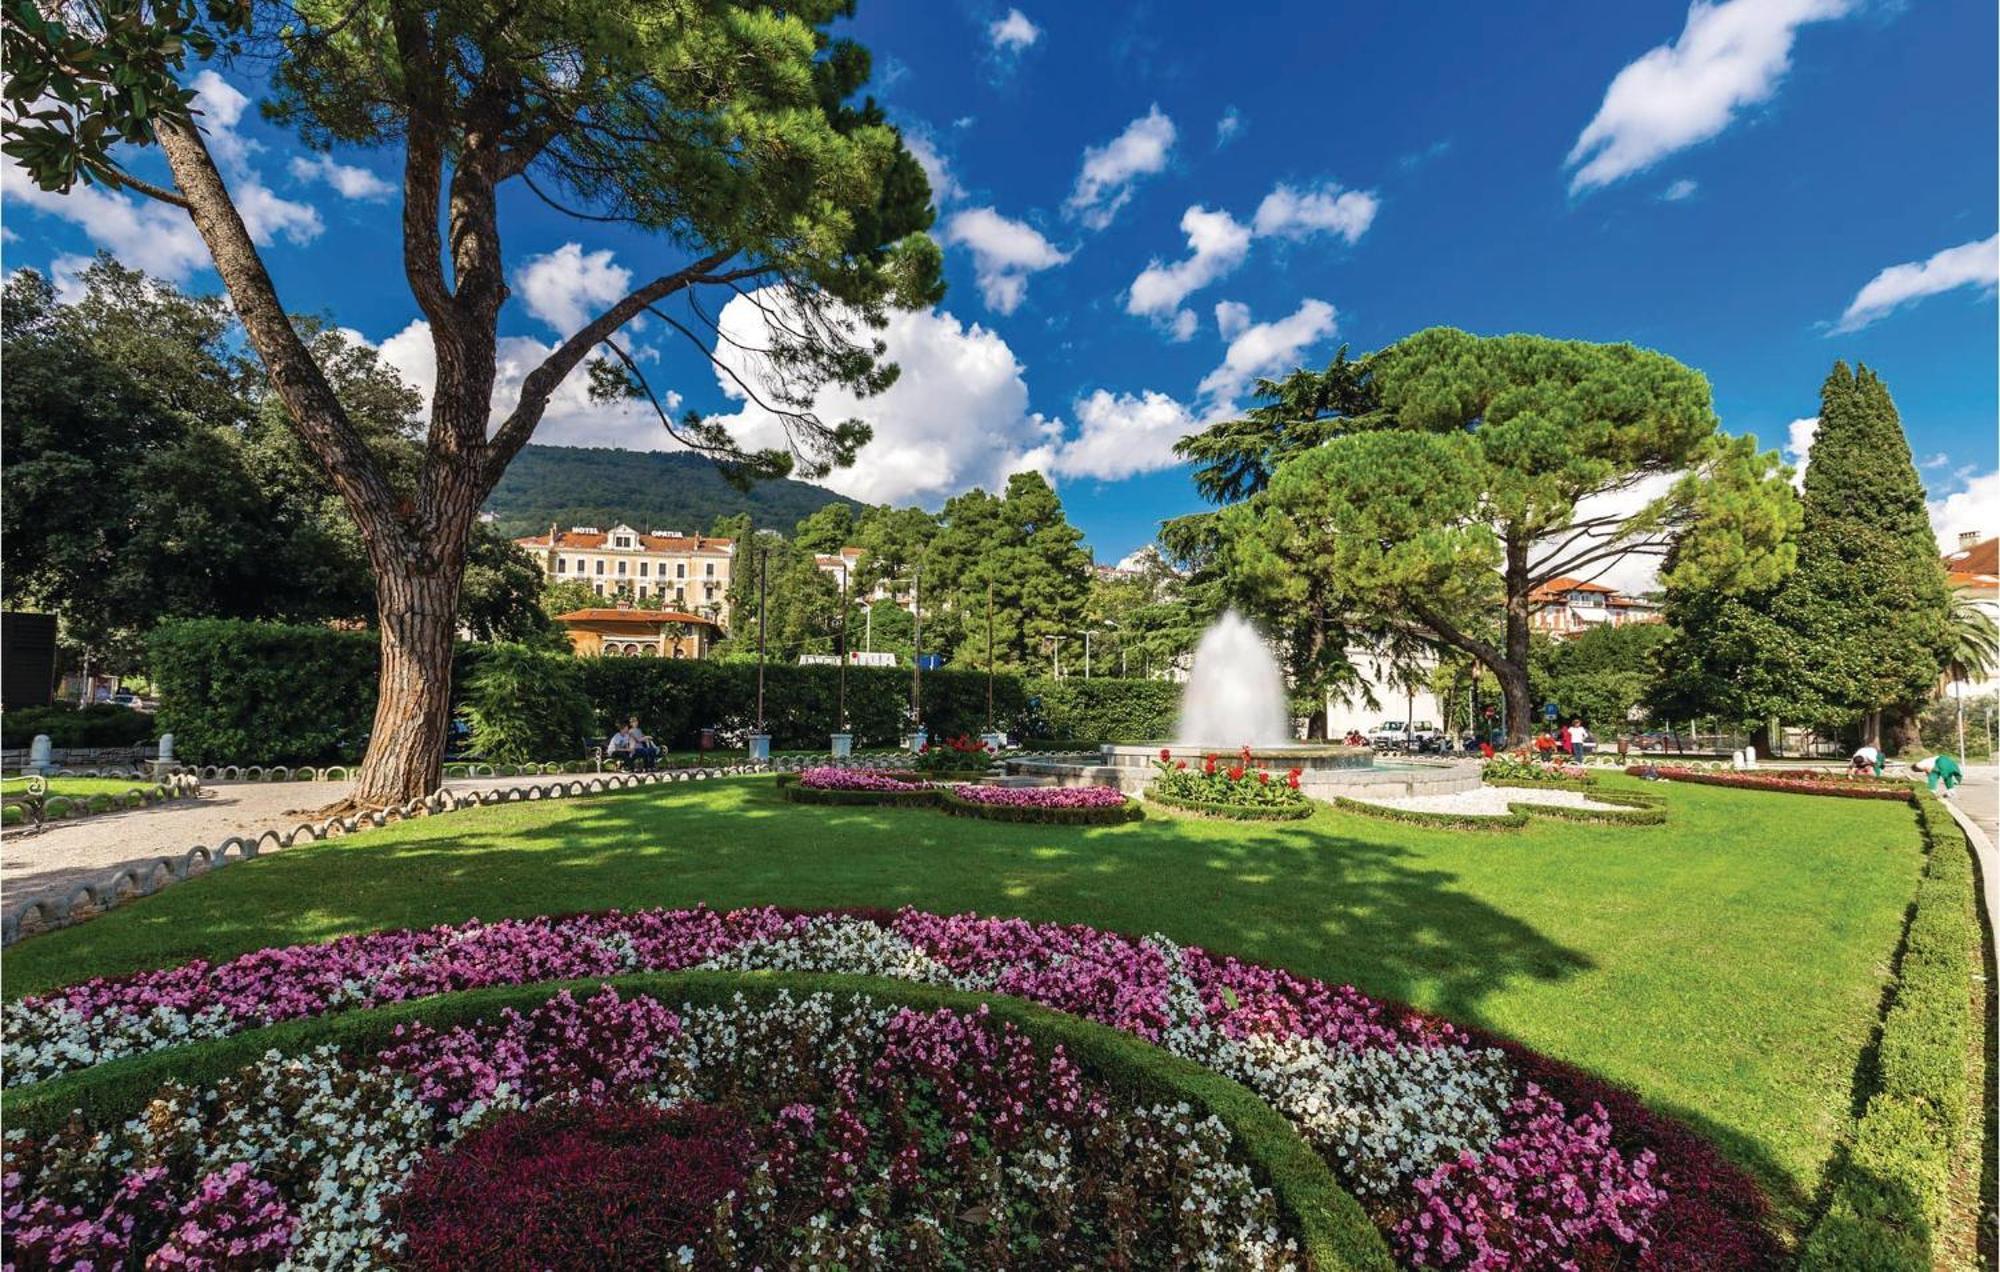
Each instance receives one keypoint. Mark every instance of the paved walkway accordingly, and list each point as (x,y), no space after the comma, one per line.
(90,849)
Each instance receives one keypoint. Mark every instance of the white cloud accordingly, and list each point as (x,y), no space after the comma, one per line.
(141,233)
(351,182)
(1104,183)
(937,169)
(1231,318)
(1295,214)
(1975,508)
(1013,33)
(1679,190)
(1799,436)
(1729,56)
(1229,127)
(956,417)
(1938,460)
(1217,244)
(1123,434)
(157,237)
(568,287)
(1004,253)
(1629,573)
(1974,264)
(572,418)
(1265,349)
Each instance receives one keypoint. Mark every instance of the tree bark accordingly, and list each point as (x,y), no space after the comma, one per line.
(1513,674)
(413,709)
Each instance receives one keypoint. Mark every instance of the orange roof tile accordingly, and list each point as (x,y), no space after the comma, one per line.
(649,542)
(632,616)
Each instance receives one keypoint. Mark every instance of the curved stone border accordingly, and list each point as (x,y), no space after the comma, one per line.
(68,808)
(87,900)
(474,769)
(1633,809)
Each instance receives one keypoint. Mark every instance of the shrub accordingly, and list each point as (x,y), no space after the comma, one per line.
(959,755)
(1795,781)
(1891,1190)
(264,693)
(100,724)
(1099,710)
(525,705)
(1227,783)
(1520,769)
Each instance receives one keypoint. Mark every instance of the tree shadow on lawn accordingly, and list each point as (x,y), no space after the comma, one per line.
(1329,905)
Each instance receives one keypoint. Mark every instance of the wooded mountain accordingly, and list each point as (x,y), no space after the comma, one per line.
(649,490)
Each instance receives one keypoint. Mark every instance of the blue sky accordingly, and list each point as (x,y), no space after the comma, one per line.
(1146,205)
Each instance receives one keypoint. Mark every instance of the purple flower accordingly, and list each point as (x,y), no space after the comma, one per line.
(1042,796)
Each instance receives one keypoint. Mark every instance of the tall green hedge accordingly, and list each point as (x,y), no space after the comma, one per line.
(266,693)
(100,724)
(263,693)
(1891,1184)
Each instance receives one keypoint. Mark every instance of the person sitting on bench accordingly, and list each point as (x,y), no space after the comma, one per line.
(645,751)
(623,748)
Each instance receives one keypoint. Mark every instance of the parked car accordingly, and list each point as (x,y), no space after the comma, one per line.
(1424,736)
(1390,735)
(126,698)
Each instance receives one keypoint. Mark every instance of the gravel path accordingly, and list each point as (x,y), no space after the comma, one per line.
(1491,801)
(68,853)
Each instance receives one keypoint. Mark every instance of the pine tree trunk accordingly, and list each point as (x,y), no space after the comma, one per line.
(1514,675)
(1520,707)
(418,617)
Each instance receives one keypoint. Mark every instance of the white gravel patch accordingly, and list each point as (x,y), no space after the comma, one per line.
(1491,801)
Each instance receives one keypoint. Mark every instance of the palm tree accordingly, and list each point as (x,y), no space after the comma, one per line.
(1975,646)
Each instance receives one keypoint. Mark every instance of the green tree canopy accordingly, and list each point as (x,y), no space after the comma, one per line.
(1868,607)
(732,133)
(1473,471)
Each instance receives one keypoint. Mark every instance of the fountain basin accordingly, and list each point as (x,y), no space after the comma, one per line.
(1326,771)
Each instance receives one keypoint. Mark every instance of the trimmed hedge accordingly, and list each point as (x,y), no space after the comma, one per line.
(1335,1233)
(1780,782)
(1230,812)
(1891,1188)
(1638,810)
(1126,812)
(916,797)
(243,692)
(101,724)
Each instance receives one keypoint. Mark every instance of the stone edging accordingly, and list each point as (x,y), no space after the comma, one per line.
(132,882)
(148,790)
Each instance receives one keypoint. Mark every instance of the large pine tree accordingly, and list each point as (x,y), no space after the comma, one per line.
(1867,606)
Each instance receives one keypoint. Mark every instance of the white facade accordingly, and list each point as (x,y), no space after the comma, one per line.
(1393,702)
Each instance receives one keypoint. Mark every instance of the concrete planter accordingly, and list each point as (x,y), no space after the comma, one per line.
(760,747)
(843,745)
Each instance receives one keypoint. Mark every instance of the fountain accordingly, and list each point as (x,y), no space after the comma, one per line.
(1235,698)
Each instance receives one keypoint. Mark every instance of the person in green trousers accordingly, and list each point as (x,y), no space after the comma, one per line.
(1941,768)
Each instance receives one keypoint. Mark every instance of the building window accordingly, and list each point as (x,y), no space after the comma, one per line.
(644,567)
(642,589)
(562,564)
(709,569)
(600,568)
(599,587)
(680,596)
(680,569)
(621,567)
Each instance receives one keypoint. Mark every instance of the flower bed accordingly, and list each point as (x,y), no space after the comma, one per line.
(1228,788)
(1521,769)
(1044,805)
(1435,1128)
(1794,781)
(808,1131)
(952,758)
(831,785)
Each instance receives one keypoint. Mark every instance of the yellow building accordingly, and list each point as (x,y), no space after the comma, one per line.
(687,572)
(625,632)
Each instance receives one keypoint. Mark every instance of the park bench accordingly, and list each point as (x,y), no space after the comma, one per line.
(33,805)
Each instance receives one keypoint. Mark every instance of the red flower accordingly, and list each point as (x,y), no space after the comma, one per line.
(1245,753)
(1294,774)
(1165,755)
(1236,773)
(1181,765)
(1292,779)
(1208,764)
(1263,778)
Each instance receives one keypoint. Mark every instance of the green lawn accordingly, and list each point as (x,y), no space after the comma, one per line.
(1728,965)
(80,786)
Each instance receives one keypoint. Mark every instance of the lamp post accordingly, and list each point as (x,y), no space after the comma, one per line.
(917,657)
(760,741)
(843,741)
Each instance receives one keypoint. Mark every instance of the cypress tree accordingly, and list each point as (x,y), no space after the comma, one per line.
(1867,605)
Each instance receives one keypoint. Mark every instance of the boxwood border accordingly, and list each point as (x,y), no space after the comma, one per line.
(1230,812)
(1129,811)
(1748,781)
(1891,1184)
(1335,1233)
(1636,810)
(918,796)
